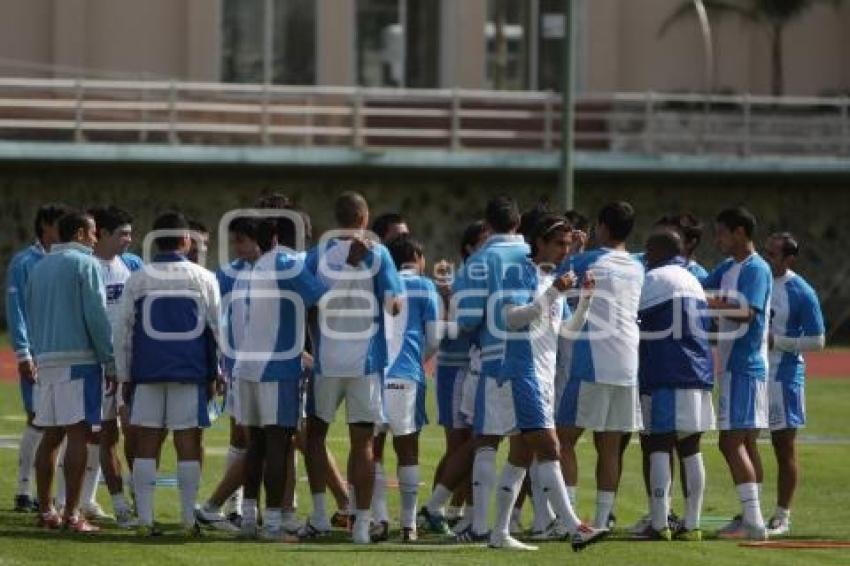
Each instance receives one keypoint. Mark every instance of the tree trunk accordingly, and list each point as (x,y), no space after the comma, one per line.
(777,78)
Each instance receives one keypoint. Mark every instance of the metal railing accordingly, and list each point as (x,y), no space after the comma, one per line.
(174,112)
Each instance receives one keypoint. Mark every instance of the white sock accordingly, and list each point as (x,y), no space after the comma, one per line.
(749,496)
(507,491)
(379,495)
(543,514)
(92,477)
(188,480)
(695,477)
(572,493)
(604,506)
(60,474)
(439,497)
(30,439)
(362,522)
(249,511)
(659,488)
(483,481)
(144,482)
(319,517)
(408,486)
(272,518)
(782,514)
(234,502)
(552,482)
(119,503)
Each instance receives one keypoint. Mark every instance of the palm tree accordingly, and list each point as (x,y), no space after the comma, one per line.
(773,14)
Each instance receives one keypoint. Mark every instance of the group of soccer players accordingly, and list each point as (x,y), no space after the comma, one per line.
(545,328)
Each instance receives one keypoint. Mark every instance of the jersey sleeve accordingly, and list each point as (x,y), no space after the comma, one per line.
(711,282)
(470,289)
(16,322)
(387,281)
(811,316)
(308,287)
(94,312)
(754,284)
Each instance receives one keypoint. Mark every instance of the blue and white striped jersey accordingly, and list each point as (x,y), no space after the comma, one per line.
(351,339)
(607,349)
(674,348)
(794,312)
(274,296)
(413,333)
(749,281)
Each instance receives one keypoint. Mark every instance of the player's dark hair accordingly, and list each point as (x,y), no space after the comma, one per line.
(70,224)
(502,214)
(577,220)
(110,218)
(471,236)
(273,200)
(381,224)
(790,247)
(619,218)
(49,214)
(170,221)
(546,228)
(405,250)
(529,219)
(244,226)
(738,217)
(665,244)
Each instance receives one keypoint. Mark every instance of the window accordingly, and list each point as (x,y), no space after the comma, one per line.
(293,41)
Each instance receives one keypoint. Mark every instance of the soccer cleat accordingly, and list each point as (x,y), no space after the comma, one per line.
(740,529)
(777,527)
(291,525)
(753,532)
(664,534)
(639,528)
(248,529)
(271,534)
(380,531)
(77,524)
(308,531)
(361,534)
(686,535)
(193,531)
(25,504)
(408,534)
(148,531)
(733,529)
(462,525)
(214,519)
(469,536)
(586,535)
(234,519)
(124,519)
(342,520)
(94,512)
(503,542)
(556,530)
(50,520)
(432,523)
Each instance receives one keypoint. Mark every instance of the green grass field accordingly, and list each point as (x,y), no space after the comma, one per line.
(821,511)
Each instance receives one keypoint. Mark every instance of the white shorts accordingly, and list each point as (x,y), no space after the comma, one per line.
(685,411)
(362,397)
(467,399)
(175,406)
(742,403)
(603,407)
(65,396)
(494,408)
(267,403)
(449,383)
(404,406)
(787,407)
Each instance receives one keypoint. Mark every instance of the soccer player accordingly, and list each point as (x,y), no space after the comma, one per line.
(602,390)
(229,491)
(278,292)
(454,382)
(200,243)
(535,311)
(71,339)
(482,278)
(743,284)
(676,378)
(166,338)
(17,277)
(796,326)
(350,356)
(413,338)
(114,236)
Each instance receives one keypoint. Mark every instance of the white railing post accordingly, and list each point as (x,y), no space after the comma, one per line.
(455,119)
(173,138)
(547,122)
(308,135)
(648,119)
(264,116)
(78,111)
(357,118)
(748,123)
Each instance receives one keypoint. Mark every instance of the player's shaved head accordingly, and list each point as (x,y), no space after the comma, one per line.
(662,246)
(351,210)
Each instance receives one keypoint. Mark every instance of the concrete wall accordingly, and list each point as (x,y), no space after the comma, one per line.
(439,206)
